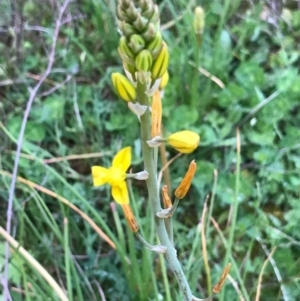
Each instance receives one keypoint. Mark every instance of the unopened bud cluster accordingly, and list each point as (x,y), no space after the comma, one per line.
(144,54)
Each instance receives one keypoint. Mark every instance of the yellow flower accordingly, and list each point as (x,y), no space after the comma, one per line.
(185,141)
(115,175)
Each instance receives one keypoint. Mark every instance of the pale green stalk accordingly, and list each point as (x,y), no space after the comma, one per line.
(153,192)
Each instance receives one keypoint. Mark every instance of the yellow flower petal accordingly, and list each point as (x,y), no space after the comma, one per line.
(99,175)
(122,159)
(120,193)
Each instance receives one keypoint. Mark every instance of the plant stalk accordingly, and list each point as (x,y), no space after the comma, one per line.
(152,186)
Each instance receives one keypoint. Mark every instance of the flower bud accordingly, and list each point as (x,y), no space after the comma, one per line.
(185,141)
(130,218)
(149,10)
(125,52)
(160,65)
(165,196)
(164,80)
(140,23)
(156,114)
(136,43)
(143,61)
(123,87)
(126,28)
(149,33)
(199,20)
(186,182)
(132,12)
(155,17)
(124,48)
(121,14)
(155,45)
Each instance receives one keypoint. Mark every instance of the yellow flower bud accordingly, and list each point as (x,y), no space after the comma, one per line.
(164,80)
(165,196)
(185,141)
(123,87)
(186,182)
(160,65)
(156,114)
(132,223)
(143,61)
(199,20)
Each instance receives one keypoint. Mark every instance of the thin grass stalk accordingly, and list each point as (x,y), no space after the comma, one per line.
(165,277)
(204,251)
(232,260)
(34,264)
(212,202)
(258,290)
(67,259)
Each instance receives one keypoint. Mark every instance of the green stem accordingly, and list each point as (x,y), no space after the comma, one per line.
(152,187)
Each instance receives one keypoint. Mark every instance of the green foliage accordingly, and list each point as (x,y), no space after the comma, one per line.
(247,46)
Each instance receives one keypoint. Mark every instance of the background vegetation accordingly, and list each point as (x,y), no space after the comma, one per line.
(252,50)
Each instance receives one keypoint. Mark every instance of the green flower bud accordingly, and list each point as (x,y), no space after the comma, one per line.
(148,11)
(199,20)
(149,33)
(124,48)
(125,3)
(123,87)
(140,23)
(125,58)
(155,17)
(132,12)
(143,61)
(156,45)
(160,65)
(121,14)
(144,4)
(126,28)
(136,43)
